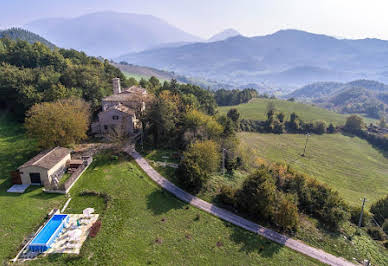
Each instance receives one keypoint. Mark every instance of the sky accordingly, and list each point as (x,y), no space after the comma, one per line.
(204,18)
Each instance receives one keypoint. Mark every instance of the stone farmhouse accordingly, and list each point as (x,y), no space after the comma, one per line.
(118,115)
(45,167)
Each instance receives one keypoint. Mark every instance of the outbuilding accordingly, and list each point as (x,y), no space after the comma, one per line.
(44,167)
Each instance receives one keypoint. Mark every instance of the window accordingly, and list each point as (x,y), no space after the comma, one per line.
(105,127)
(115,117)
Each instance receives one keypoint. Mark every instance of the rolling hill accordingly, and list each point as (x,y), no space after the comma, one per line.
(349,165)
(25,35)
(109,34)
(359,96)
(256,110)
(289,58)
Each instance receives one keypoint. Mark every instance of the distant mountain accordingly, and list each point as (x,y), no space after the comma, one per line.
(109,34)
(359,96)
(25,35)
(226,34)
(328,89)
(147,72)
(287,58)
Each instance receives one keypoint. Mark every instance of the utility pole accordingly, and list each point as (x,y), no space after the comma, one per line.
(362,211)
(305,145)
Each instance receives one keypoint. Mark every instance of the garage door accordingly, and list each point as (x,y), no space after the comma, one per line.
(35,178)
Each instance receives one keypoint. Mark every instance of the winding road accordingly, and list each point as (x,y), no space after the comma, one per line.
(228,216)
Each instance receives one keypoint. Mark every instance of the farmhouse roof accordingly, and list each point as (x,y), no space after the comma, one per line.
(48,159)
(121,108)
(131,94)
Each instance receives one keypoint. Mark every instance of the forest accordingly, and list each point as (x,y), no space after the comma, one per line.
(34,73)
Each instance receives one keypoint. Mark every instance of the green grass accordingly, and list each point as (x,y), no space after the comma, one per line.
(349,165)
(256,110)
(21,214)
(139,213)
(361,245)
(139,77)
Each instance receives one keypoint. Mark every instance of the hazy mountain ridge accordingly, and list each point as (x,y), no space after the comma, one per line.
(25,35)
(223,35)
(109,34)
(359,96)
(269,58)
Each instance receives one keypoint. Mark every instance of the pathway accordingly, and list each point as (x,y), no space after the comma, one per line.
(228,216)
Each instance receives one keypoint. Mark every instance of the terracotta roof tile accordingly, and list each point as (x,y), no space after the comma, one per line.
(47,159)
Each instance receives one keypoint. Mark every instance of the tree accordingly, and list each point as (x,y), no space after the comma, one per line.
(320,127)
(271,109)
(234,115)
(201,126)
(331,129)
(286,215)
(162,116)
(59,123)
(258,195)
(281,117)
(199,161)
(354,123)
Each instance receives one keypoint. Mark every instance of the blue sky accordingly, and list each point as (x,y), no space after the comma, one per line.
(343,18)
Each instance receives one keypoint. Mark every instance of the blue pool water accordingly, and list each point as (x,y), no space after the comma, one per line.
(49,233)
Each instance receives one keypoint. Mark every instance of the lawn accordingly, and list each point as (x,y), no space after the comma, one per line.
(20,215)
(256,110)
(347,164)
(142,224)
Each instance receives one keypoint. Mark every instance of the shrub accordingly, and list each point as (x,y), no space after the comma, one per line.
(190,175)
(380,210)
(314,198)
(385,226)
(355,216)
(286,216)
(227,195)
(376,233)
(320,127)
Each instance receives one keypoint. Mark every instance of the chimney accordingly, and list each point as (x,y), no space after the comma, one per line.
(116,86)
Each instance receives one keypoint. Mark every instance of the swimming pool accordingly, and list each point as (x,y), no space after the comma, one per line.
(49,233)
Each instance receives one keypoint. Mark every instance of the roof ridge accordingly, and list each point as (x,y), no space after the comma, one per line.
(47,153)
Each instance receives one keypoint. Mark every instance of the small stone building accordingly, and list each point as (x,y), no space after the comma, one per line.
(118,115)
(45,166)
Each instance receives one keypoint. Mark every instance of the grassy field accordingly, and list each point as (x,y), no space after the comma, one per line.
(256,110)
(139,77)
(20,215)
(142,224)
(347,164)
(348,243)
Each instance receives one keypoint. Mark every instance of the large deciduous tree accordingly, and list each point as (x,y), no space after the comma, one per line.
(199,161)
(59,123)
(354,123)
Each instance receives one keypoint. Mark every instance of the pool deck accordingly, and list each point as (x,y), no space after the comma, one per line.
(64,243)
